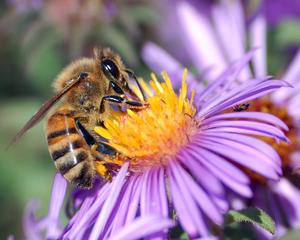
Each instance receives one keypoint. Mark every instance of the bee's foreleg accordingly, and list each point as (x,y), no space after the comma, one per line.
(131,74)
(118,100)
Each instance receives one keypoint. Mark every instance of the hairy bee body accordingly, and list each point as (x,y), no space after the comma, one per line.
(69,150)
(84,91)
(67,145)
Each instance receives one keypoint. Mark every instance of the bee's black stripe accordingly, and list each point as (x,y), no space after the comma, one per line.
(70,163)
(61,133)
(60,153)
(84,178)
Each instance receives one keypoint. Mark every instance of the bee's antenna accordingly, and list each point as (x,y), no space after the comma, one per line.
(131,74)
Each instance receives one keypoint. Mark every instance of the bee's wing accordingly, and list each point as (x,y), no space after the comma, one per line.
(43,110)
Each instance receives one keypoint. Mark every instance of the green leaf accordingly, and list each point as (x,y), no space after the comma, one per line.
(252,215)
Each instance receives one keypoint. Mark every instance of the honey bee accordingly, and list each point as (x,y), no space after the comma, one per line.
(84,92)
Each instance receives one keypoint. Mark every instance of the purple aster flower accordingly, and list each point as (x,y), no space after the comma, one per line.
(176,159)
(166,159)
(223,30)
(179,155)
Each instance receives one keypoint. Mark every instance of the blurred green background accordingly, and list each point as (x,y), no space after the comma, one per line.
(38,38)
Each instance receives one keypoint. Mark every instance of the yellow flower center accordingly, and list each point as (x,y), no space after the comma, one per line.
(152,136)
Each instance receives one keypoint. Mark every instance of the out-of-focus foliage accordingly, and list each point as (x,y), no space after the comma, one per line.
(38,38)
(45,36)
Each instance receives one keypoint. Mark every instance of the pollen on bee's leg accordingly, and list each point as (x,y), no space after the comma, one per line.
(103,171)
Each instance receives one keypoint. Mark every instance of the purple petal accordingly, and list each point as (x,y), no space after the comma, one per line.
(252,148)
(229,179)
(109,204)
(265,117)
(248,91)
(135,200)
(57,198)
(145,194)
(121,214)
(179,203)
(291,76)
(32,227)
(258,39)
(153,200)
(88,212)
(293,73)
(229,20)
(200,196)
(200,40)
(208,181)
(258,145)
(159,60)
(142,227)
(256,128)
(293,106)
(242,155)
(162,193)
(289,197)
(189,215)
(275,212)
(226,81)
(225,167)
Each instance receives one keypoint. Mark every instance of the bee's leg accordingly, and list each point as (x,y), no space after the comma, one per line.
(86,135)
(105,149)
(103,170)
(114,99)
(100,123)
(114,85)
(99,150)
(135,105)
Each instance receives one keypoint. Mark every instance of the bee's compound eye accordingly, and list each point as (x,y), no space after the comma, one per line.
(109,67)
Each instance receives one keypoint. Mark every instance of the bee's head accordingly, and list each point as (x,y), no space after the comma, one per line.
(110,66)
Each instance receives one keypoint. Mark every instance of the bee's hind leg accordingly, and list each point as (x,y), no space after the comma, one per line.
(105,149)
(100,150)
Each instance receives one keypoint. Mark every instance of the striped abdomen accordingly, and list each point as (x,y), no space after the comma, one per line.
(69,150)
